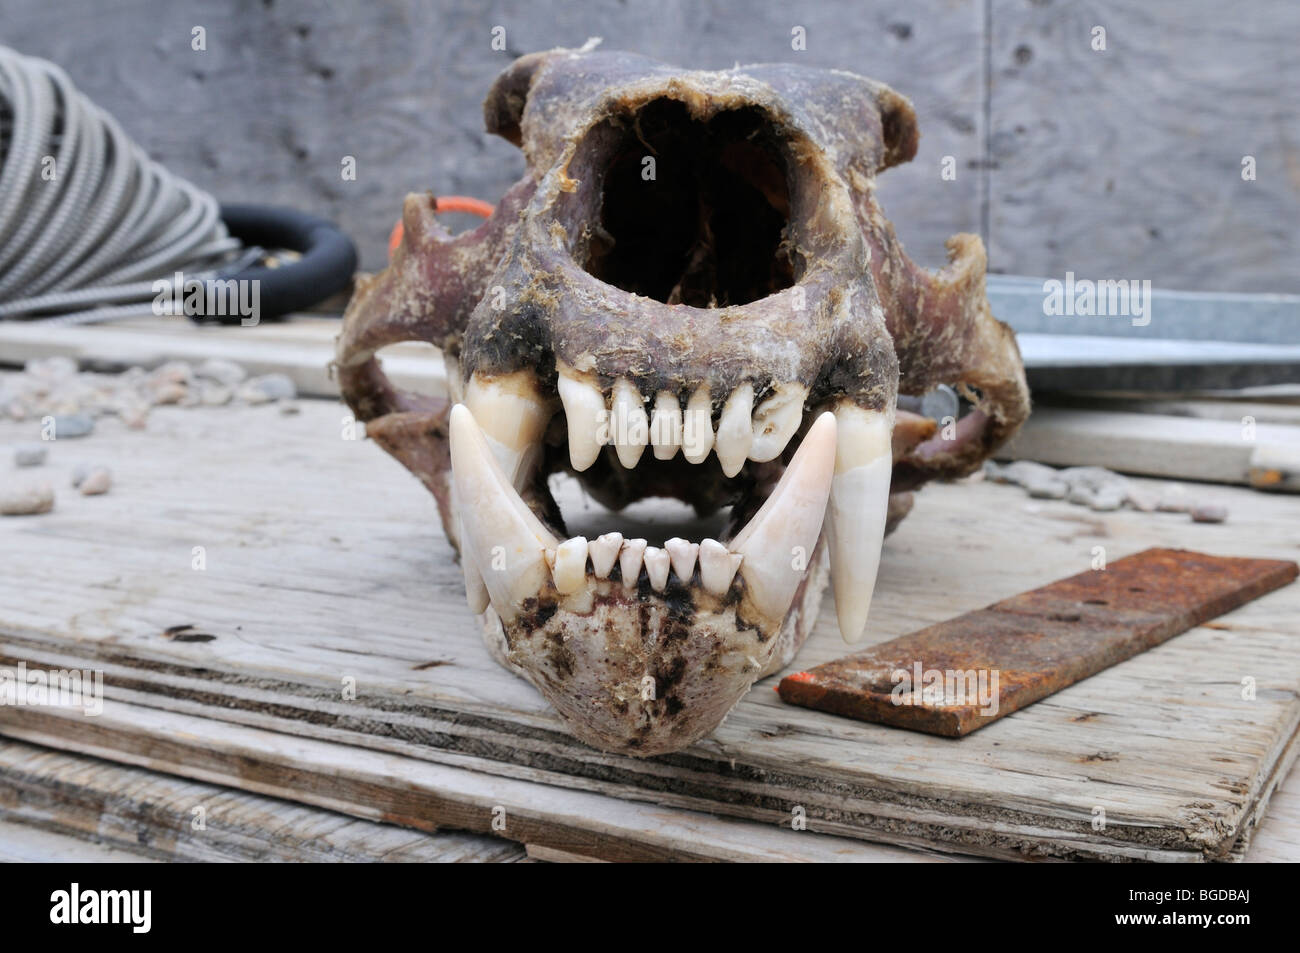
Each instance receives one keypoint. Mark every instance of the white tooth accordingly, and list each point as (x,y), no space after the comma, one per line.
(629,560)
(859,504)
(500,528)
(776,420)
(777,544)
(666,426)
(570,568)
(604,550)
(683,553)
(657,564)
(630,426)
(476,593)
(735,430)
(697,427)
(587,418)
(718,566)
(513,414)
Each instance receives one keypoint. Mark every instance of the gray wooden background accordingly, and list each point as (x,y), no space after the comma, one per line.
(1122,163)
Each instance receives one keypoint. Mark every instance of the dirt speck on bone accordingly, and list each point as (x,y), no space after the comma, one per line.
(678,231)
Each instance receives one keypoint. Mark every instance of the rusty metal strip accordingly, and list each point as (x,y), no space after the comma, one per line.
(952,678)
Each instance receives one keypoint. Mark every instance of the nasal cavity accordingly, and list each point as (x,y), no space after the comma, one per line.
(693,211)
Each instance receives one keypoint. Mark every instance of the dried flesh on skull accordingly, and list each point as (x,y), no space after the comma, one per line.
(694,265)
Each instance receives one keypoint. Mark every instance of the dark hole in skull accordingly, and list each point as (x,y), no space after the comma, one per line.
(693,211)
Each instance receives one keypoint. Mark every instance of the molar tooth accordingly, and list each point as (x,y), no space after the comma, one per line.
(776,421)
(778,543)
(570,565)
(697,427)
(735,431)
(657,564)
(513,415)
(859,504)
(629,560)
(495,521)
(683,553)
(630,426)
(666,425)
(718,566)
(604,551)
(587,418)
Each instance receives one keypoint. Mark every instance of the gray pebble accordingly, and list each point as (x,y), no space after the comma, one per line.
(1046,489)
(73,425)
(1025,472)
(97,481)
(1209,513)
(1107,499)
(26,499)
(227,373)
(267,387)
(29,454)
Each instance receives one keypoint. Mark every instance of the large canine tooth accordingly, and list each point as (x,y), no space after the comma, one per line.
(476,593)
(657,564)
(604,551)
(683,553)
(735,430)
(859,503)
(629,560)
(506,540)
(513,414)
(666,425)
(570,569)
(718,566)
(587,418)
(777,544)
(776,420)
(697,427)
(630,426)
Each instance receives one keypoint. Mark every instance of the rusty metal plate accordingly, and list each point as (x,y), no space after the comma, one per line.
(952,678)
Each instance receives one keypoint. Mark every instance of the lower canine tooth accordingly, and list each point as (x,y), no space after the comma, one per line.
(505,537)
(570,568)
(657,564)
(629,560)
(604,551)
(735,430)
(718,566)
(777,544)
(666,426)
(697,427)
(587,418)
(682,553)
(859,503)
(776,420)
(630,426)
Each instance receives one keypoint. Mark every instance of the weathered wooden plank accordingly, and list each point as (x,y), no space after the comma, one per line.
(325,568)
(1127,162)
(167,818)
(399,86)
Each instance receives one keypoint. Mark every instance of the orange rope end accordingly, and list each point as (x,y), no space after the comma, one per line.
(445,203)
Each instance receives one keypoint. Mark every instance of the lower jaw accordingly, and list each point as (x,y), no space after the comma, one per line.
(643,673)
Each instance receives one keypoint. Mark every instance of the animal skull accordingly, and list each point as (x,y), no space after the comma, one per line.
(694,265)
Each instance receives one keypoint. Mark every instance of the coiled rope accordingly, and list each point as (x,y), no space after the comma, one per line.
(88,222)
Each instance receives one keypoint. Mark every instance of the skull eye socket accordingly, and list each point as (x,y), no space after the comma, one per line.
(692,211)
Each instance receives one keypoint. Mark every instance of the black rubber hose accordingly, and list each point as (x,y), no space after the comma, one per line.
(325,268)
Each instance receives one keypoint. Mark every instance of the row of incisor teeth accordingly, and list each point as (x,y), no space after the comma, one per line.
(678,556)
(743,433)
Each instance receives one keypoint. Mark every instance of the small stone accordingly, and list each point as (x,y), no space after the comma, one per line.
(1080,494)
(289,409)
(1174,499)
(1142,501)
(168,392)
(173,372)
(222,372)
(1025,472)
(29,454)
(26,499)
(1107,499)
(216,395)
(1209,513)
(72,425)
(1048,489)
(993,471)
(79,474)
(268,387)
(135,416)
(97,481)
